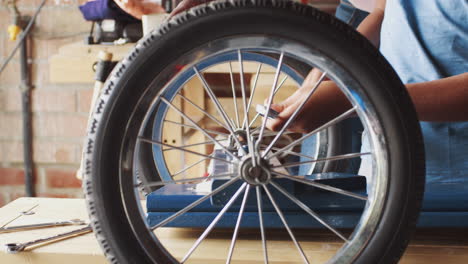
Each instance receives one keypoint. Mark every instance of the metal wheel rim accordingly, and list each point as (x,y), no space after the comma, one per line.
(363,108)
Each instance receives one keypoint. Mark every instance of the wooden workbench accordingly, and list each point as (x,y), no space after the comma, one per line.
(429,246)
(79,250)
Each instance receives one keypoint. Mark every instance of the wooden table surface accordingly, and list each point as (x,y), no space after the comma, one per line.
(79,250)
(445,246)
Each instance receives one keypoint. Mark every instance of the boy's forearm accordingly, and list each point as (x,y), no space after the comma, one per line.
(370,26)
(443,100)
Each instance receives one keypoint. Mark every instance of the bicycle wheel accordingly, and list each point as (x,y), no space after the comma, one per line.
(160,109)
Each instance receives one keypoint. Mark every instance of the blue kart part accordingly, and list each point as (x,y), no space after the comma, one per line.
(445,204)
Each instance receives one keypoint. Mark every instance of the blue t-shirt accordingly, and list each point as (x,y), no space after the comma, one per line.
(426,40)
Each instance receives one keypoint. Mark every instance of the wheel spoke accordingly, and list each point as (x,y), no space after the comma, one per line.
(215,100)
(189,167)
(294,114)
(182,149)
(246,112)
(270,98)
(308,210)
(292,153)
(301,179)
(257,115)
(254,130)
(195,144)
(276,90)
(197,202)
(280,84)
(161,183)
(199,128)
(252,93)
(234,97)
(272,133)
(203,111)
(332,122)
(219,107)
(189,126)
(339,157)
(236,228)
(214,222)
(285,223)
(260,219)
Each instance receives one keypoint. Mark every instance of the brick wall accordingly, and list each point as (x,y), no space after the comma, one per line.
(59,111)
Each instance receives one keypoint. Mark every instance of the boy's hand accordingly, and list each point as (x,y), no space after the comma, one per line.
(138,8)
(326,103)
(186,4)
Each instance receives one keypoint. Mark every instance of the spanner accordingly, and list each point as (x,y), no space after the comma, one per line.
(43,225)
(17,247)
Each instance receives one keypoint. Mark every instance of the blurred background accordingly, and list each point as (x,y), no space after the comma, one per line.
(60,64)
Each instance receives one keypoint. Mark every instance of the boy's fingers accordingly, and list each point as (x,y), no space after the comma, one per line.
(186,4)
(284,116)
(277,107)
(274,124)
(284,113)
(285,109)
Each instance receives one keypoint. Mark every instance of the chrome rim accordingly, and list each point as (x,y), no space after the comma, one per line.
(249,156)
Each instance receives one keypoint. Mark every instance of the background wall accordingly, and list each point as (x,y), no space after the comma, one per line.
(59,110)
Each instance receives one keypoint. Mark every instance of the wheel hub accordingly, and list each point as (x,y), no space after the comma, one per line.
(255,175)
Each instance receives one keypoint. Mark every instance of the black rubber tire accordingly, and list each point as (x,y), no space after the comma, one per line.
(286,19)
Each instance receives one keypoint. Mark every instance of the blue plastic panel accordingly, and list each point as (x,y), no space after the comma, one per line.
(175,197)
(445,205)
(250,220)
(295,220)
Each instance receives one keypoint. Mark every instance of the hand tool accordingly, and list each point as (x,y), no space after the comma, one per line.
(261,109)
(26,212)
(18,247)
(42,225)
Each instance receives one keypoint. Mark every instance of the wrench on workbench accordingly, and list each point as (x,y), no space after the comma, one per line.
(42,225)
(18,247)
